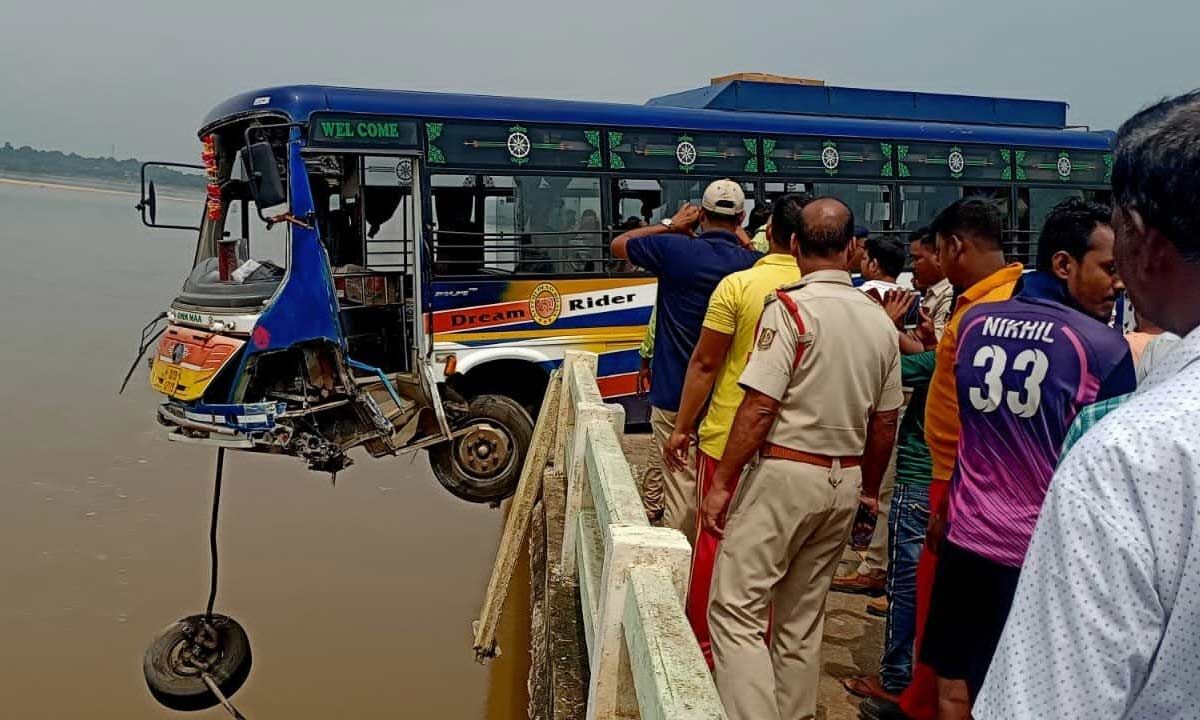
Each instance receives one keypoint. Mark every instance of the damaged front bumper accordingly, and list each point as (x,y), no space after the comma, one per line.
(235,426)
(264,427)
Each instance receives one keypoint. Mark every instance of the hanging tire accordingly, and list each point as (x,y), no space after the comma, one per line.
(484,465)
(175,682)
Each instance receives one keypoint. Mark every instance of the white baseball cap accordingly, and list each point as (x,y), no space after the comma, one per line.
(724,197)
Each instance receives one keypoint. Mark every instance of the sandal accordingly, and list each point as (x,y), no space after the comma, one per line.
(867,686)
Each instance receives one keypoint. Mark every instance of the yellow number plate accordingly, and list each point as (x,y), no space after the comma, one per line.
(165,378)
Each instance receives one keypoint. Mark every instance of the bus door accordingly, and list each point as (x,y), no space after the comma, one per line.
(393,247)
(372,233)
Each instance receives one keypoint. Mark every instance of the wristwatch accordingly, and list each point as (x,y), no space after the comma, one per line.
(668,222)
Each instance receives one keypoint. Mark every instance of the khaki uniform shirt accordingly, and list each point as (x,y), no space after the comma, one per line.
(939,302)
(848,370)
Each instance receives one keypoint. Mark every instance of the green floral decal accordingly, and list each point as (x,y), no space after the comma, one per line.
(769,150)
(901,156)
(886,149)
(433,131)
(596,159)
(1020,170)
(593,138)
(751,148)
(615,160)
(1108,167)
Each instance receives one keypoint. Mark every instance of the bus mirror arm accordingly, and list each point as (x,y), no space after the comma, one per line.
(147,204)
(287,217)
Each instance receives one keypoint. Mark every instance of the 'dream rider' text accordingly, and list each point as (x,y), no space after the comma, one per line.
(602,301)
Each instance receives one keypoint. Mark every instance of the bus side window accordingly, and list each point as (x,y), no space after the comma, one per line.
(653,200)
(517,224)
(457,222)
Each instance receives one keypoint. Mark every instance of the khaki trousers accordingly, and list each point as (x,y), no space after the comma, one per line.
(678,491)
(787,527)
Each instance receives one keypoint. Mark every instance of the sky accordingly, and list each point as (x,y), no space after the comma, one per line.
(139,76)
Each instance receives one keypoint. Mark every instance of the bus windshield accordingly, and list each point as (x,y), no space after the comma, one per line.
(239,262)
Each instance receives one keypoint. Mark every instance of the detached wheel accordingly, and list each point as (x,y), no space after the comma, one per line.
(172,663)
(484,465)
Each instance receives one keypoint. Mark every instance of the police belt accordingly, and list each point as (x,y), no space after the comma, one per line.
(779,452)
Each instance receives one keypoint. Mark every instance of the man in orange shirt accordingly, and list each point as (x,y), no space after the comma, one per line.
(969,236)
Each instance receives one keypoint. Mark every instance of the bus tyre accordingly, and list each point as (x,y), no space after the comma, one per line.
(173,677)
(483,465)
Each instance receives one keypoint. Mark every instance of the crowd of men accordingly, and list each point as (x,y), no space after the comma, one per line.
(1024,479)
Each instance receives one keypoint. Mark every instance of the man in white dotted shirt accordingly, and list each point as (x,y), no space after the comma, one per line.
(1106,617)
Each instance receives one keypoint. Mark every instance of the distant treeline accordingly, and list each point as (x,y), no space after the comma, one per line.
(30,161)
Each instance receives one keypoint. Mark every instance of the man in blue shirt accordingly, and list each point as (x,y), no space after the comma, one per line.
(688,267)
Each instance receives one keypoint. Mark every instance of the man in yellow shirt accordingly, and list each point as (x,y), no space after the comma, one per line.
(726,339)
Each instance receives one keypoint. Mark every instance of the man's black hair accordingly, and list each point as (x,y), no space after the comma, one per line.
(785,217)
(826,239)
(1156,170)
(759,214)
(923,236)
(976,217)
(888,252)
(1068,228)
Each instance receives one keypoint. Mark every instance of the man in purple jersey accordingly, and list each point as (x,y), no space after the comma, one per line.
(1024,369)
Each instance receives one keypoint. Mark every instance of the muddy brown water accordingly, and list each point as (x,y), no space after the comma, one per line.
(357,597)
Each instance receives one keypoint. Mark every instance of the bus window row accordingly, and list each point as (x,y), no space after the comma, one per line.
(549,224)
(484,224)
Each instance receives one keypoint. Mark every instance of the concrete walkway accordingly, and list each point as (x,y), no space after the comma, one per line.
(853,639)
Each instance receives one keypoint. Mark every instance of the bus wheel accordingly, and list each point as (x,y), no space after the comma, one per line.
(177,659)
(484,465)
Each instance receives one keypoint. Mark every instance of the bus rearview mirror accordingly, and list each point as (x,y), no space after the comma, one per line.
(265,184)
(151,203)
(148,202)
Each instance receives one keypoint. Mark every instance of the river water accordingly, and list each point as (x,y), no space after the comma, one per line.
(357,597)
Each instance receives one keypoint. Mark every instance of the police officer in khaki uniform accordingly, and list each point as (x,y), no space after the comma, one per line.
(822,395)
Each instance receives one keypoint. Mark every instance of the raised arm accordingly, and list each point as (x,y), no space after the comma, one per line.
(683,222)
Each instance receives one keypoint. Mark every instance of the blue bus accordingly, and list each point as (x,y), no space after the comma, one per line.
(401,270)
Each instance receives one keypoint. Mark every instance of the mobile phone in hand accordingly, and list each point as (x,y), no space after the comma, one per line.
(913,317)
(864,528)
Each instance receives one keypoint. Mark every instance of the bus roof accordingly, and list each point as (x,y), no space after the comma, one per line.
(871,120)
(810,99)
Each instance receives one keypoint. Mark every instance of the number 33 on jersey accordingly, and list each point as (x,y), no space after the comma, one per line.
(1024,368)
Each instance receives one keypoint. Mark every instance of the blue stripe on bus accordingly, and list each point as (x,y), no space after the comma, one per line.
(612,363)
(618,363)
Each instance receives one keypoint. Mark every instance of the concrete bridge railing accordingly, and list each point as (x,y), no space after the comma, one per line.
(632,578)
